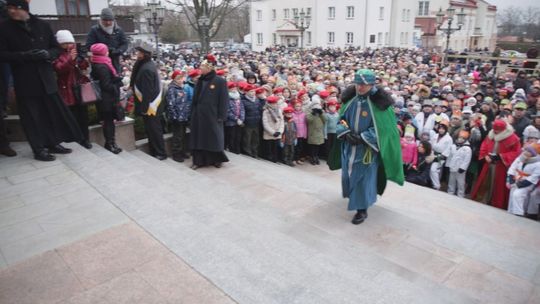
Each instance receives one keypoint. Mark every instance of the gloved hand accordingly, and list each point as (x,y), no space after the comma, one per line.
(316,111)
(277,134)
(494,157)
(460,171)
(281,144)
(239,122)
(353,139)
(36,55)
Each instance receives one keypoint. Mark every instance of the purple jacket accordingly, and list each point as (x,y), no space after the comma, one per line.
(299,118)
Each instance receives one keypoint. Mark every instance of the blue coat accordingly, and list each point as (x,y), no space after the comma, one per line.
(253,110)
(189,88)
(232,117)
(178,106)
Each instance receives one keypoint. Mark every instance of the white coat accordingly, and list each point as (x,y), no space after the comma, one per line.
(520,198)
(272,122)
(423,122)
(459,157)
(443,145)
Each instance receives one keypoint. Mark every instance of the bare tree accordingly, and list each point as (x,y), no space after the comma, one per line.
(213,11)
(510,20)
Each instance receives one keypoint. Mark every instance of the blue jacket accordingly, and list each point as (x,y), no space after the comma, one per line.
(189,88)
(232,117)
(178,106)
(253,110)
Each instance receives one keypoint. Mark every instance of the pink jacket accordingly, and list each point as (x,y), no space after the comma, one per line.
(300,120)
(409,152)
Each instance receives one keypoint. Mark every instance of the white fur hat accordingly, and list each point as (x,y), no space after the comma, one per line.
(64,36)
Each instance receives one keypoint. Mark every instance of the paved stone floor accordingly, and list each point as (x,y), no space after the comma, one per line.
(93,227)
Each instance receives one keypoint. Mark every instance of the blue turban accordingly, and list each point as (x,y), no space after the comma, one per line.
(364,76)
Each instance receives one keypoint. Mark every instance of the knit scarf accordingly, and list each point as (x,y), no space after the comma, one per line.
(104,60)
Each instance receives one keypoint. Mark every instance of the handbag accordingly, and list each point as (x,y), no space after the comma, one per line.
(90,92)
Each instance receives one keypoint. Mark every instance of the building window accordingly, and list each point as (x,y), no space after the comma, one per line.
(274,38)
(308,11)
(286,13)
(72,7)
(350,12)
(379,38)
(294,12)
(406,38)
(273,14)
(259,39)
(350,37)
(308,40)
(381,13)
(386,38)
(331,12)
(259,15)
(423,8)
(408,15)
(401,37)
(371,38)
(331,37)
(403,15)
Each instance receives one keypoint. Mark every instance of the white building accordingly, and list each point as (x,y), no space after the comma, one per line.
(478,31)
(334,23)
(71,8)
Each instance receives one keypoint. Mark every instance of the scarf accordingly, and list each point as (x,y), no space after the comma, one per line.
(106,60)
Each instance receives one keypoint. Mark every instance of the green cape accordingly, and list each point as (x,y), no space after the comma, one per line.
(391,164)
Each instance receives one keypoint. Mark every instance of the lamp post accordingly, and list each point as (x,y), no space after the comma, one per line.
(449,30)
(204,25)
(301,22)
(154,14)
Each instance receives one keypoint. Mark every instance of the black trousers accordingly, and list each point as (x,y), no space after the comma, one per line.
(179,140)
(80,112)
(47,121)
(4,143)
(314,151)
(288,154)
(250,141)
(154,131)
(331,138)
(233,138)
(301,147)
(108,127)
(271,149)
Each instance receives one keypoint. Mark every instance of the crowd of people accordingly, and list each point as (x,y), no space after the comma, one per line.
(468,129)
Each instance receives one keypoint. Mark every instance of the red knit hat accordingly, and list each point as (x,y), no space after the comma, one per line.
(331,103)
(278,90)
(194,73)
(260,91)
(324,94)
(249,87)
(288,110)
(231,85)
(301,93)
(176,74)
(272,99)
(220,72)
(499,125)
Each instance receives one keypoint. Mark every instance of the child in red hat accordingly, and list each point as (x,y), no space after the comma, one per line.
(235,120)
(273,126)
(288,140)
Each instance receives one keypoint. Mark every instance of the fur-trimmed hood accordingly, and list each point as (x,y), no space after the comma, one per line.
(503,135)
(382,99)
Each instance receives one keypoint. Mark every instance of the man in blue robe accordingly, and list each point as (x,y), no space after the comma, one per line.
(366,124)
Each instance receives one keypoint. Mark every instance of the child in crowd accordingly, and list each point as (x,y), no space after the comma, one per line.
(419,174)
(441,143)
(409,149)
(288,140)
(235,120)
(332,118)
(299,118)
(522,179)
(178,112)
(273,125)
(315,122)
(458,162)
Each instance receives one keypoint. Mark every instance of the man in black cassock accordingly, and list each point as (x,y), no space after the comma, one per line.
(28,44)
(4,81)
(208,114)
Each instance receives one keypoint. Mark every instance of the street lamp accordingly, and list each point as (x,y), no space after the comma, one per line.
(204,25)
(450,15)
(301,22)
(154,14)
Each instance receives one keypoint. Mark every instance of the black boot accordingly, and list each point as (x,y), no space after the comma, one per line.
(44,155)
(85,143)
(113,148)
(59,149)
(359,217)
(178,157)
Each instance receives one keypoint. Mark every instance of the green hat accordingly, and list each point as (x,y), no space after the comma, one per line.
(520,105)
(505,102)
(364,76)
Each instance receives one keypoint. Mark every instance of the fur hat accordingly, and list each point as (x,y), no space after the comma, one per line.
(64,36)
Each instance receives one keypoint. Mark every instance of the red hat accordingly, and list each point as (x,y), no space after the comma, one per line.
(242,85)
(332,103)
(278,90)
(231,85)
(194,73)
(249,87)
(260,90)
(176,74)
(221,72)
(301,93)
(499,125)
(324,94)
(288,110)
(211,58)
(272,99)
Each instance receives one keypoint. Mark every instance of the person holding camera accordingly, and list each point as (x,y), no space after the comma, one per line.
(69,66)
(498,151)
(28,44)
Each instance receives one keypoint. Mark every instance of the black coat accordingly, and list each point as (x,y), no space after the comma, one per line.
(146,79)
(110,87)
(116,42)
(32,77)
(208,113)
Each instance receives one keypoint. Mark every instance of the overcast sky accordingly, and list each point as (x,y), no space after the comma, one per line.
(501,4)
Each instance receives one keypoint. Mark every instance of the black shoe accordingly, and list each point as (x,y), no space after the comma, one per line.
(317,161)
(44,155)
(161,157)
(7,151)
(359,217)
(113,148)
(86,144)
(194,167)
(59,149)
(178,158)
(217,165)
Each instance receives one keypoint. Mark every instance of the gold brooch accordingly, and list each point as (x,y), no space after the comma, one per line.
(364,113)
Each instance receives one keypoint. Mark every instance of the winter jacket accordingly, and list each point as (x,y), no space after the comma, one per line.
(67,76)
(110,87)
(424,123)
(189,87)
(235,112)
(332,120)
(459,157)
(253,112)
(409,152)
(116,42)
(178,107)
(272,120)
(420,174)
(301,124)
(520,125)
(443,145)
(315,129)
(289,133)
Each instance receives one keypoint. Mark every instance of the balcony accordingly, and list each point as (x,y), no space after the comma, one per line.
(80,25)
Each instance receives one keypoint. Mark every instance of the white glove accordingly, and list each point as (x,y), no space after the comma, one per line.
(239,122)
